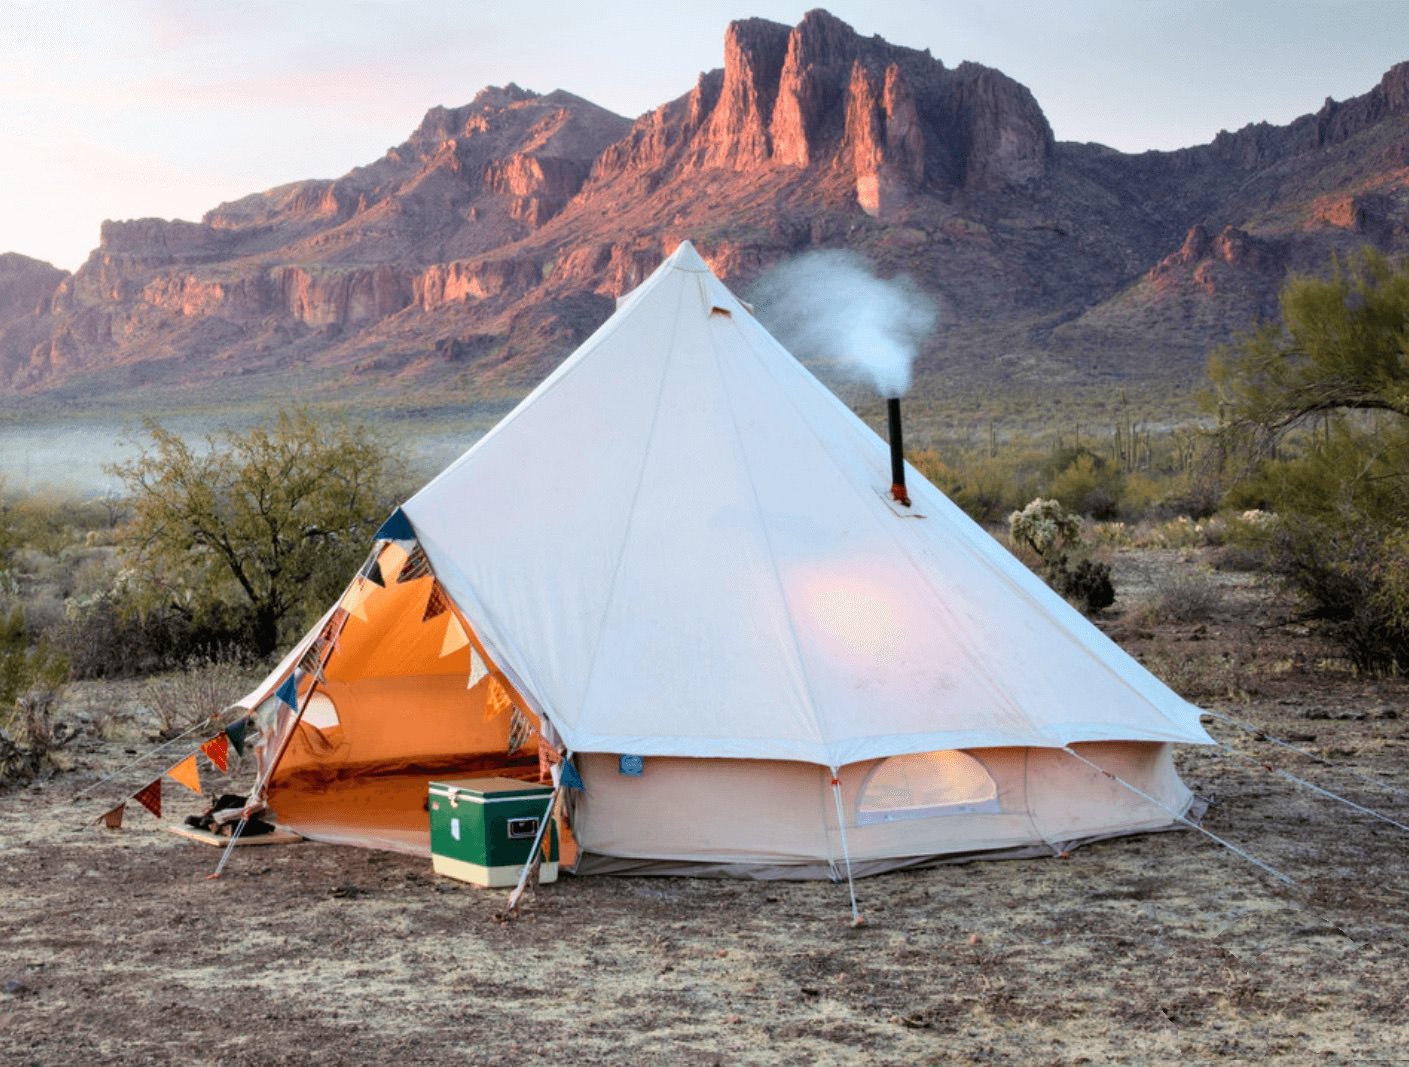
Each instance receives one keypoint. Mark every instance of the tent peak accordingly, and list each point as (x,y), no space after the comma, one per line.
(686,258)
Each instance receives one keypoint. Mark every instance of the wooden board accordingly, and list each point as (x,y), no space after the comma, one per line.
(205,837)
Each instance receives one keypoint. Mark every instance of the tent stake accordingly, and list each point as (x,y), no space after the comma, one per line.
(225,857)
(856,919)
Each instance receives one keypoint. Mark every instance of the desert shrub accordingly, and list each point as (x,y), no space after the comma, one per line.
(198,691)
(31,676)
(1315,408)
(1045,527)
(1087,484)
(114,632)
(264,525)
(1350,578)
(986,489)
(26,663)
(1088,583)
(1054,534)
(1239,557)
(1111,534)
(1183,595)
(30,738)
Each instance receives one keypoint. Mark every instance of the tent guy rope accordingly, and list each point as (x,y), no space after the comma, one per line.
(856,919)
(1183,818)
(204,724)
(1262,735)
(1288,776)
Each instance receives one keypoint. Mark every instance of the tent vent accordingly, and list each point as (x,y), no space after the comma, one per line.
(926,784)
(717,310)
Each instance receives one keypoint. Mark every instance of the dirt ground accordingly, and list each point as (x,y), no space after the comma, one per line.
(115,948)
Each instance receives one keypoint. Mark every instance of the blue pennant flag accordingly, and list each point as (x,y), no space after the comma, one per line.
(396,528)
(631,766)
(570,779)
(288,692)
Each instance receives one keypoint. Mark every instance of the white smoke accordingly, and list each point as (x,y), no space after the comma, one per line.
(830,306)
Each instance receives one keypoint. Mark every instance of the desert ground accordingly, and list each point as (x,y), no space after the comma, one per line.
(116,948)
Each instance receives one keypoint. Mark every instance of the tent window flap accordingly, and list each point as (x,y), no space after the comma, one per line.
(924,785)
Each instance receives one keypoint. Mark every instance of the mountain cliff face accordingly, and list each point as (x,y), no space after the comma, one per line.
(477,253)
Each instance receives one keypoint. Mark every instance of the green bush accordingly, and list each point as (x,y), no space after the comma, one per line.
(1052,533)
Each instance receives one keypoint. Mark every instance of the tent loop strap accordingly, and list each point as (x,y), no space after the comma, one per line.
(856,919)
(1180,817)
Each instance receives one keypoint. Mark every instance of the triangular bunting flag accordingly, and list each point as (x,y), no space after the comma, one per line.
(236,733)
(217,750)
(113,819)
(416,566)
(288,692)
(570,778)
(187,773)
(355,599)
(373,573)
(149,796)
(312,660)
(496,699)
(332,626)
(391,559)
(435,604)
(520,730)
(455,637)
(396,528)
(478,671)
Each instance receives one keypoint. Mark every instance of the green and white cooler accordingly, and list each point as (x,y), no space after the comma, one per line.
(483,829)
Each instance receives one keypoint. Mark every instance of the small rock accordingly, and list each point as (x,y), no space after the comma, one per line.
(15,988)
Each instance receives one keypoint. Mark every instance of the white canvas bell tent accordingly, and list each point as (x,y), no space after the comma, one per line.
(681,547)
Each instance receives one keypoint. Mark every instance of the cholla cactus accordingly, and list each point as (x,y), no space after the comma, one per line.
(1045,527)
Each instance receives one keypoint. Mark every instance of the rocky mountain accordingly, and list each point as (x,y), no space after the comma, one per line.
(471,258)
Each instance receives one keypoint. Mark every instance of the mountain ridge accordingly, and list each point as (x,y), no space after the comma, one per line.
(470,258)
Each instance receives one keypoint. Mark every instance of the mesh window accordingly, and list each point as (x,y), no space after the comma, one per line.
(925,784)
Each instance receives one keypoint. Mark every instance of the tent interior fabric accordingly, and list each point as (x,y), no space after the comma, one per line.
(681,548)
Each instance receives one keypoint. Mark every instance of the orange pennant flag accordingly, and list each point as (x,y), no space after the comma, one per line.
(354,599)
(149,796)
(113,819)
(496,699)
(391,560)
(187,773)
(217,750)
(455,637)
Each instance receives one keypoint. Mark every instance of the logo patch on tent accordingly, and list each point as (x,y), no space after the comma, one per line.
(631,766)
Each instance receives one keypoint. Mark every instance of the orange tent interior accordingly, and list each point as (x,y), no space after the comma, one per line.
(393,713)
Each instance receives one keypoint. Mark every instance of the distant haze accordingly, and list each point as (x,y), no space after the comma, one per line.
(71,457)
(830,306)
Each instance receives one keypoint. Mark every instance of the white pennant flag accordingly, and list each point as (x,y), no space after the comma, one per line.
(478,671)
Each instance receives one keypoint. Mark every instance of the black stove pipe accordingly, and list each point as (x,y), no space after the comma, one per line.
(897,454)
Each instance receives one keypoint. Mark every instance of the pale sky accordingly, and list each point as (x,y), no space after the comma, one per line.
(134,108)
